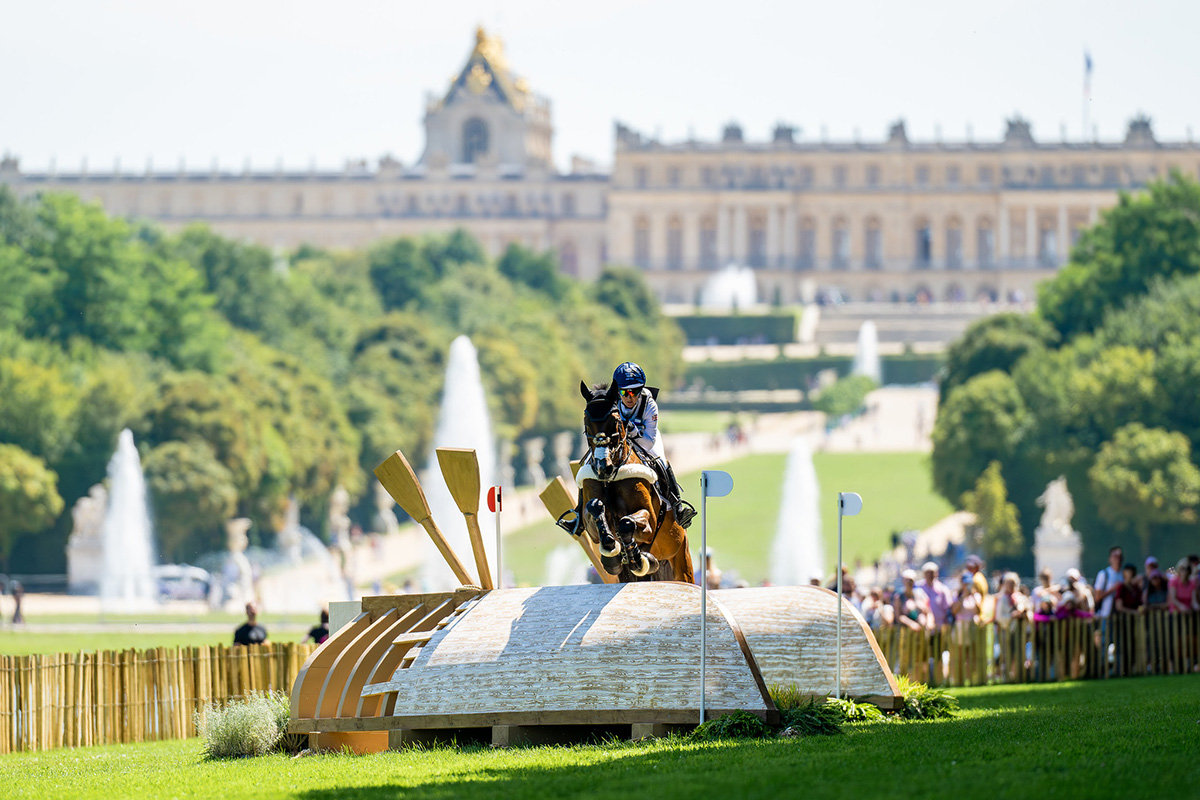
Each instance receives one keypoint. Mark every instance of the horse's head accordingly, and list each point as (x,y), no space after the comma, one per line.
(606,433)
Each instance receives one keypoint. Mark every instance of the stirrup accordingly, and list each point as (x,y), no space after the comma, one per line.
(571,525)
(685,512)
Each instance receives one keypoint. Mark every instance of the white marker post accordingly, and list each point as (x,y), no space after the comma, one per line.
(494,505)
(849,504)
(716,483)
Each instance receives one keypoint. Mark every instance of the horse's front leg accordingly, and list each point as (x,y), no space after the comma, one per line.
(635,529)
(610,546)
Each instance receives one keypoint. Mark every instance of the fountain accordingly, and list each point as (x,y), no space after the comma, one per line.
(734,288)
(126,583)
(796,552)
(866,353)
(462,422)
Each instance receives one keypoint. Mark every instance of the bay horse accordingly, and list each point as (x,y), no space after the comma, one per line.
(617,493)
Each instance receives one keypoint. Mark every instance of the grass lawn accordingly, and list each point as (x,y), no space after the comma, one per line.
(896,496)
(688,421)
(1123,738)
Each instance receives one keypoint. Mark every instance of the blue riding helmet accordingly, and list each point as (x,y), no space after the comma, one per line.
(629,376)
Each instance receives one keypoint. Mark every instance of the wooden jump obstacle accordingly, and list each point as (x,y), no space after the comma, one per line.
(509,665)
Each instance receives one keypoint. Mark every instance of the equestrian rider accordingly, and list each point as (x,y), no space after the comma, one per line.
(639,412)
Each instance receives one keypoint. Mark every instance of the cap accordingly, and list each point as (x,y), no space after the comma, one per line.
(974,561)
(909,575)
(929,566)
(1151,560)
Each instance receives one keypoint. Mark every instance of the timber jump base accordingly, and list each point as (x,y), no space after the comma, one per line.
(561,663)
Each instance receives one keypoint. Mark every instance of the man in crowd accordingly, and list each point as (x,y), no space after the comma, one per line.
(1108,583)
(939,595)
(251,632)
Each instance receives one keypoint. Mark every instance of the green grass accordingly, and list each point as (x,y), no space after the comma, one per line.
(1123,738)
(689,421)
(896,496)
(20,643)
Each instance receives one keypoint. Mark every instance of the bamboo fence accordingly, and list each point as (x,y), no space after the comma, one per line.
(115,696)
(1023,651)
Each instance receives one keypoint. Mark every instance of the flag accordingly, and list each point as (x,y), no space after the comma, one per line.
(1087,74)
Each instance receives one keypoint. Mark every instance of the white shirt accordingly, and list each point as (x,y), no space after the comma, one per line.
(1106,579)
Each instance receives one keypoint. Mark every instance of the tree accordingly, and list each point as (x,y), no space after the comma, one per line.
(1144,237)
(1145,477)
(192,494)
(400,272)
(37,407)
(538,271)
(981,421)
(623,290)
(29,499)
(995,516)
(845,396)
(996,342)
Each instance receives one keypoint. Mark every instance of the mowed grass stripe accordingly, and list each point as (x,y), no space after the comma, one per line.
(896,490)
(1123,738)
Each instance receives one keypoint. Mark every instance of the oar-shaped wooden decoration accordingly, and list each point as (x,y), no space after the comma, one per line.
(460,468)
(557,499)
(401,483)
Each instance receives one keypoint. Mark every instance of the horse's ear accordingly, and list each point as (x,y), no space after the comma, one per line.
(611,394)
(585,391)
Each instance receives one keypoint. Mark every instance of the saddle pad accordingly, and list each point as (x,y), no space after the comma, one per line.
(625,472)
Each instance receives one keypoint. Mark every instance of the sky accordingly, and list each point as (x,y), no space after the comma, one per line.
(301,83)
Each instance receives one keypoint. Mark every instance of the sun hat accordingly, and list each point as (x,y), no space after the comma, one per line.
(1073,575)
(909,575)
(929,566)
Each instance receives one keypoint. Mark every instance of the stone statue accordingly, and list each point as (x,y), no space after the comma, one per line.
(1057,546)
(85,547)
(237,574)
(564,445)
(287,538)
(535,451)
(385,521)
(339,517)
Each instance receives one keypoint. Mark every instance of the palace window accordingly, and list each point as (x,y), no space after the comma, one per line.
(641,177)
(841,244)
(873,245)
(954,244)
(839,176)
(756,243)
(673,175)
(1046,176)
(568,259)
(986,244)
(462,206)
(952,176)
(674,244)
(708,243)
(568,205)
(510,205)
(872,175)
(1079,174)
(922,175)
(1047,247)
(808,245)
(923,245)
(985,176)
(805,176)
(1112,175)
(708,177)
(641,243)
(475,139)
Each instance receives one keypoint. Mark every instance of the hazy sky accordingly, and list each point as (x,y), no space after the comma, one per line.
(330,81)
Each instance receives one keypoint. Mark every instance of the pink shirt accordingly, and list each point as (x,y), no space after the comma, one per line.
(1183,590)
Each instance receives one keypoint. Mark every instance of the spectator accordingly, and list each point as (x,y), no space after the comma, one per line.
(974,566)
(968,601)
(251,632)
(18,594)
(1044,610)
(937,595)
(1010,604)
(1045,589)
(911,610)
(1069,607)
(320,633)
(1181,594)
(1108,583)
(877,613)
(1156,594)
(1083,595)
(1129,594)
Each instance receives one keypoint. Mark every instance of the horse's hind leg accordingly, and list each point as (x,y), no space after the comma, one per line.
(610,546)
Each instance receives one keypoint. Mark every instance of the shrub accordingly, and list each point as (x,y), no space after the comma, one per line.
(738,725)
(250,727)
(856,712)
(921,702)
(814,718)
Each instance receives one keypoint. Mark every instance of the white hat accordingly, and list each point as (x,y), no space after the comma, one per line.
(929,566)
(1073,575)
(909,575)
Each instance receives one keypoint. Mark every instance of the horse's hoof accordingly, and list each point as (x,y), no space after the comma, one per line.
(616,551)
(649,564)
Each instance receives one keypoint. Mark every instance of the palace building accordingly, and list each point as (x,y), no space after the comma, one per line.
(884,220)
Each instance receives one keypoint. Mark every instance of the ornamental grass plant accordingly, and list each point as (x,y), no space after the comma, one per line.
(254,726)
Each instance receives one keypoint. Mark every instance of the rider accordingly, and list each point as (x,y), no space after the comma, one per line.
(640,413)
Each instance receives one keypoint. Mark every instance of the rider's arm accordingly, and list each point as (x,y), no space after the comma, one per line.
(650,421)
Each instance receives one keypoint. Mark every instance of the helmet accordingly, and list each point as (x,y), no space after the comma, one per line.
(629,376)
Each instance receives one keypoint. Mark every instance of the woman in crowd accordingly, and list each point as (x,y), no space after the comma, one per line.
(1156,595)
(1045,589)
(1181,591)
(1129,596)
(911,606)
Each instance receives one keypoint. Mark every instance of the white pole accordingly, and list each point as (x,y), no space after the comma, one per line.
(703,582)
(499,564)
(838,669)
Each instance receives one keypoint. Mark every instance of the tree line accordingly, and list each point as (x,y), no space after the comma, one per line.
(249,376)
(1098,385)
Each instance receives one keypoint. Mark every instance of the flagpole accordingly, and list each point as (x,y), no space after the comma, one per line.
(1087,91)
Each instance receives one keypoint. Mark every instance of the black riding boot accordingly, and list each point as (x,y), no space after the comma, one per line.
(684,511)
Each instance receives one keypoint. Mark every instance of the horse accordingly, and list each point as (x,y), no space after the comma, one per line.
(617,493)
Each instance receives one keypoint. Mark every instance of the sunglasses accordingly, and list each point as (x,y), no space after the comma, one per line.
(629,392)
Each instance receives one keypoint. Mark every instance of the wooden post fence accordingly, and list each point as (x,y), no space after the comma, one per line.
(111,696)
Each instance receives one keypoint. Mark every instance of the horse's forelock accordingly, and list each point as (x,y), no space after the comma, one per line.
(597,409)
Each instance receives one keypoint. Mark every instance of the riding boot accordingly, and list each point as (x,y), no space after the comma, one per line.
(684,511)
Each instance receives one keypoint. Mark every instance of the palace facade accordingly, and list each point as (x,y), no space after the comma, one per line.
(884,220)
